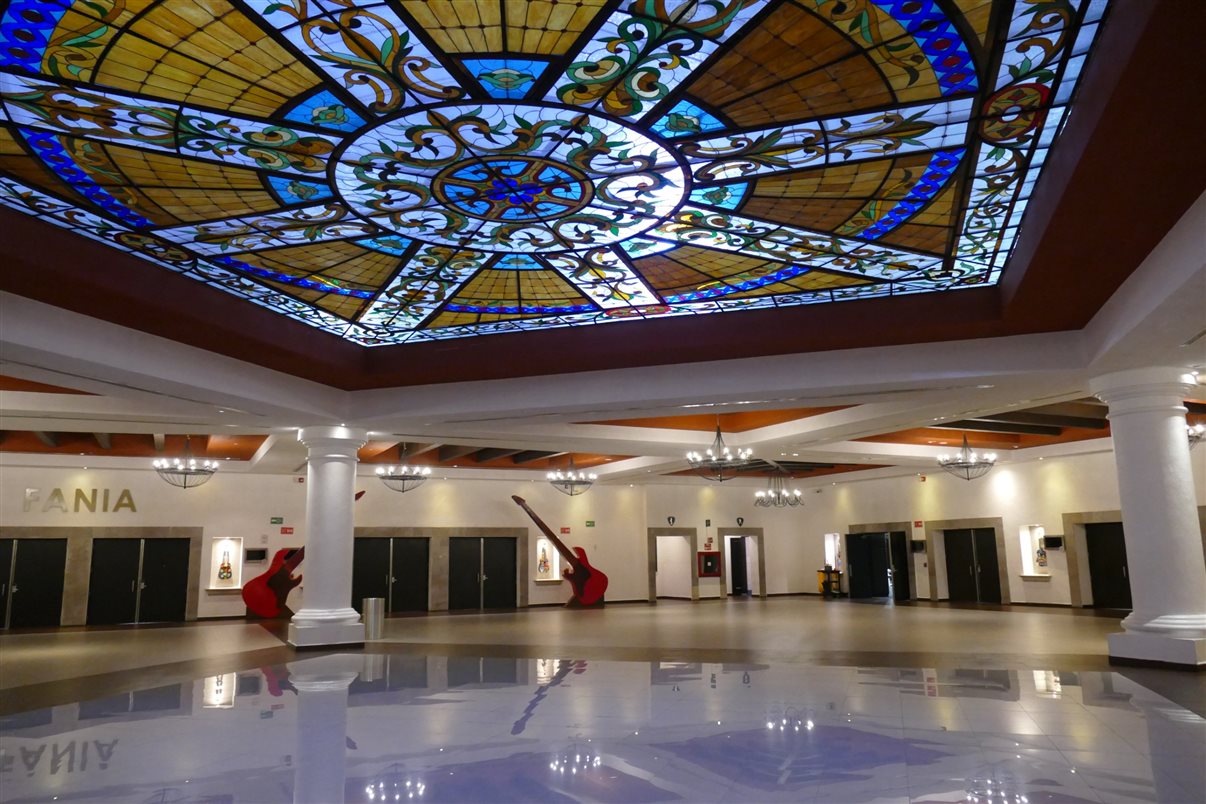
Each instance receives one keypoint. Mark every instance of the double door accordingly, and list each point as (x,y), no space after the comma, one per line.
(31,582)
(877,565)
(138,581)
(482,573)
(394,569)
(972,575)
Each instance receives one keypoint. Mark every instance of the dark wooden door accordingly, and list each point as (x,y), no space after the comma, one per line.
(165,575)
(498,570)
(960,565)
(899,549)
(867,564)
(6,579)
(737,568)
(464,573)
(370,571)
(858,566)
(1108,572)
(408,575)
(113,581)
(37,590)
(987,571)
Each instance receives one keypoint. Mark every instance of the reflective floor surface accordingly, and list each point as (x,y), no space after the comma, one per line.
(437,728)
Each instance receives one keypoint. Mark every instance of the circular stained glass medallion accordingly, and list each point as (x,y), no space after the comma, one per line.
(510,177)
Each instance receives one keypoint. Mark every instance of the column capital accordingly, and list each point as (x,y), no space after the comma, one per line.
(333,437)
(1143,383)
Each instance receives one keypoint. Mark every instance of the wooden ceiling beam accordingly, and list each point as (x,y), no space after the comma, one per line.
(1049,419)
(980,426)
(450,452)
(528,456)
(493,454)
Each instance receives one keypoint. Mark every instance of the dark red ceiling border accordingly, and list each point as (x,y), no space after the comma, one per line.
(1128,166)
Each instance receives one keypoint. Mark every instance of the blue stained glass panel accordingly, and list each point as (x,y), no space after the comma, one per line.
(294,191)
(25,31)
(686,118)
(324,110)
(509,79)
(725,196)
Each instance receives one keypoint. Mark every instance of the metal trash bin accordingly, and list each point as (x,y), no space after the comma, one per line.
(374,617)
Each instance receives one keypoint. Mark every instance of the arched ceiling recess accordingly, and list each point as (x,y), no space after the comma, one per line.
(396,177)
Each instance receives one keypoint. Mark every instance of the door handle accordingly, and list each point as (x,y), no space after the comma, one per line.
(142,585)
(1124,575)
(132,585)
(485,577)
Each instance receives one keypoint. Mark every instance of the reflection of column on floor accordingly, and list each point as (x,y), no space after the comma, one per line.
(1172,741)
(1159,517)
(322,725)
(326,618)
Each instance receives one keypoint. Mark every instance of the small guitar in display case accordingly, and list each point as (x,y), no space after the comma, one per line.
(588,583)
(225,571)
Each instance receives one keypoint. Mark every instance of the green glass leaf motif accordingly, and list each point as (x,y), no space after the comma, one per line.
(505,78)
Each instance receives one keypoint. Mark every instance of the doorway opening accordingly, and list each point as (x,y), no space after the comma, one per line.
(395,569)
(31,582)
(972,572)
(482,572)
(1109,576)
(138,581)
(674,568)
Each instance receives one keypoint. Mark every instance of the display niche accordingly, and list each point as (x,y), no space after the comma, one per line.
(225,564)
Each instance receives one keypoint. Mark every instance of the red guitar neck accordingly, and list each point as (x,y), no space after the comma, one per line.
(292,561)
(547,531)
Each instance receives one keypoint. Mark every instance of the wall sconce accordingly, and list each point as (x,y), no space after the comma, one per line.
(740,521)
(670,520)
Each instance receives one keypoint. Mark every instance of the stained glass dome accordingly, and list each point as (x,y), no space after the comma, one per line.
(416,170)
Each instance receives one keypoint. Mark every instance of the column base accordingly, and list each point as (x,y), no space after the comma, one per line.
(1135,646)
(317,635)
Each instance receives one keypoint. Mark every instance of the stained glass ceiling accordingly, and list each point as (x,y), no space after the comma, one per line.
(425,169)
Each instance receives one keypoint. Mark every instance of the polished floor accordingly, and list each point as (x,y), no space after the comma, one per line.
(783,700)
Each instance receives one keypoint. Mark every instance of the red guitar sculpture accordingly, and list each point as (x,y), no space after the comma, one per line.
(589,583)
(265,594)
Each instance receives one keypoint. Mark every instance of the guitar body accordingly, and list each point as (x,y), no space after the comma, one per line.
(589,584)
(265,594)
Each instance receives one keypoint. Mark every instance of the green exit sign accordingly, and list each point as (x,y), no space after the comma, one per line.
(276,520)
(590,523)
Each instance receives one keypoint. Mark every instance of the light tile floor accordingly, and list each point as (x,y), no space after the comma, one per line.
(678,702)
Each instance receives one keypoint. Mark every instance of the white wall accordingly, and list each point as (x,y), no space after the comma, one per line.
(1029,493)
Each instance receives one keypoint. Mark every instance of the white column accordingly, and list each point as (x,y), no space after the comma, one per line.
(320,761)
(1159,516)
(326,617)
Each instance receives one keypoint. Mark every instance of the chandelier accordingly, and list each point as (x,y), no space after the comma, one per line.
(186,471)
(403,478)
(1197,433)
(968,464)
(719,462)
(571,482)
(777,494)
